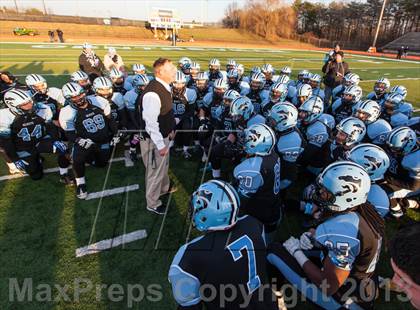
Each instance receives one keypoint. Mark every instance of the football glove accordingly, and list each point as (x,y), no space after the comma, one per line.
(59,147)
(292,245)
(85,143)
(115,140)
(308,192)
(306,241)
(21,164)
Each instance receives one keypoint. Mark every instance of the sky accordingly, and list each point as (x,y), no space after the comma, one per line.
(131,9)
(188,10)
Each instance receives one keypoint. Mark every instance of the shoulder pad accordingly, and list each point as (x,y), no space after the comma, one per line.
(336,105)
(56,94)
(67,117)
(118,99)
(6,120)
(290,146)
(256,119)
(130,98)
(249,176)
(399,119)
(378,131)
(317,133)
(44,111)
(101,103)
(379,199)
(191,95)
(411,163)
(208,98)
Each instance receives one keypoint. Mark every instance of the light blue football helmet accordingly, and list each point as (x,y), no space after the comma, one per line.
(241,109)
(229,96)
(402,140)
(214,206)
(394,101)
(399,89)
(313,107)
(354,129)
(283,116)
(140,80)
(346,183)
(372,158)
(259,140)
(232,74)
(367,110)
(278,92)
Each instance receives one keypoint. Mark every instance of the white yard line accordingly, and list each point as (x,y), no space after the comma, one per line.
(113,191)
(111,243)
(402,79)
(49,170)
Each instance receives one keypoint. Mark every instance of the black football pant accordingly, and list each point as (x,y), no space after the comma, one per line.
(34,167)
(185,135)
(97,155)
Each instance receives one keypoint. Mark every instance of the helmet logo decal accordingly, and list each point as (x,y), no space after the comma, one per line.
(352,185)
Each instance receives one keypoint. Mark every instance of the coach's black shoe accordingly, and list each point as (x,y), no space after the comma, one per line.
(66,179)
(81,191)
(159,210)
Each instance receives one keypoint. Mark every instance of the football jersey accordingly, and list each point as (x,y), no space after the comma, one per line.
(341,109)
(91,123)
(54,99)
(28,129)
(377,132)
(258,180)
(234,257)
(351,244)
(258,99)
(184,105)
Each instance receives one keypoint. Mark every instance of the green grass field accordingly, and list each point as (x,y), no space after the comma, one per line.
(42,223)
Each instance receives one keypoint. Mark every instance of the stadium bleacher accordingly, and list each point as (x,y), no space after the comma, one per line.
(411,39)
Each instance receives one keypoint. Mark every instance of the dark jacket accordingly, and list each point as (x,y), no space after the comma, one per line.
(334,73)
(91,70)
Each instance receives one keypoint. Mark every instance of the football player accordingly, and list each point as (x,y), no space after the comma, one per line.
(380,91)
(349,132)
(82,79)
(348,240)
(90,131)
(376,163)
(283,118)
(350,79)
(40,92)
(137,69)
(231,253)
(230,65)
(403,181)
(300,76)
(396,111)
(258,177)
(316,133)
(377,129)
(257,93)
(104,92)
(233,80)
(130,101)
(117,78)
(214,72)
(27,131)
(315,82)
(278,93)
(202,88)
(268,72)
(184,107)
(342,107)
(303,92)
(243,116)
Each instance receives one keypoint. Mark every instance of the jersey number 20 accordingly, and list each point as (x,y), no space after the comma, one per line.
(236,248)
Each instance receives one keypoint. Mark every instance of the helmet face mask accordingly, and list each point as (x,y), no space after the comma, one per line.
(219,92)
(380,88)
(178,88)
(362,115)
(314,84)
(40,88)
(104,92)
(84,83)
(118,81)
(27,107)
(302,99)
(194,73)
(340,137)
(255,85)
(303,116)
(79,100)
(201,84)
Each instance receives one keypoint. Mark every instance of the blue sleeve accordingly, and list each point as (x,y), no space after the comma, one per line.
(248,176)
(185,286)
(339,235)
(317,134)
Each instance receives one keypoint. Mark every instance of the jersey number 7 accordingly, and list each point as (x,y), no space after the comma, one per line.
(236,248)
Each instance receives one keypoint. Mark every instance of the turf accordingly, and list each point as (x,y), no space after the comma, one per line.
(42,223)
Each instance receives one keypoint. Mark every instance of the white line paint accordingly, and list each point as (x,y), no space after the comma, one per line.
(111,243)
(404,79)
(113,191)
(49,170)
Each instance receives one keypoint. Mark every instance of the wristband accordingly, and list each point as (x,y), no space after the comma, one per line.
(308,208)
(300,257)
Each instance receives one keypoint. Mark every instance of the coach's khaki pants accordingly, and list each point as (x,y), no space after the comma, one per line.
(156,174)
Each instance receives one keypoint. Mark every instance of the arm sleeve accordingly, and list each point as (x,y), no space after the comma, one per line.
(151,111)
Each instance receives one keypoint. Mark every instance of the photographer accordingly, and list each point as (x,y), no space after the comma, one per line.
(90,63)
(113,60)
(335,69)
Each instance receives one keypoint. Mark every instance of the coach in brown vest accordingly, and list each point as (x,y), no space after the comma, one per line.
(157,125)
